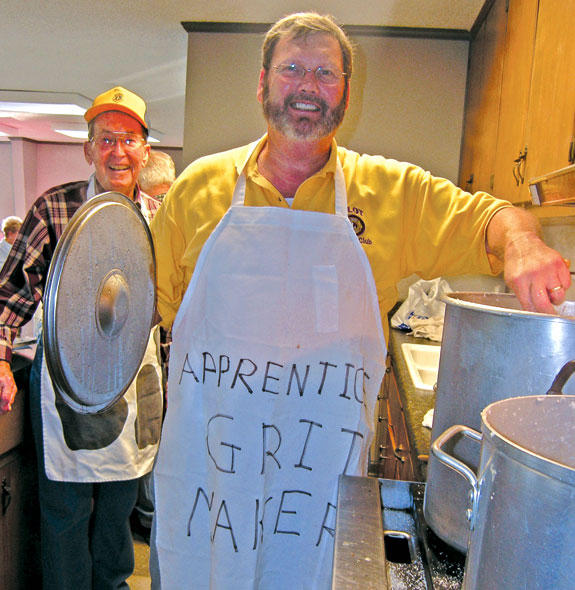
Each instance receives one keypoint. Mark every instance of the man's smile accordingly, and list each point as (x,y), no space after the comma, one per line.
(304,106)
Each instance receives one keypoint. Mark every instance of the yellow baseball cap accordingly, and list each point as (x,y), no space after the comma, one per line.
(118,99)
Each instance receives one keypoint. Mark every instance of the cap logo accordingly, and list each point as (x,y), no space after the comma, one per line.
(117,97)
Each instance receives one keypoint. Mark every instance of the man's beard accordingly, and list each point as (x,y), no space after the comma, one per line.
(300,126)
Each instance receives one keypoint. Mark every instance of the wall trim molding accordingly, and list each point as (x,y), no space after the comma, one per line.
(353,30)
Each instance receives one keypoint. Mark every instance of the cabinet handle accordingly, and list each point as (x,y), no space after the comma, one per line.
(394,446)
(383,456)
(572,152)
(5,496)
(519,167)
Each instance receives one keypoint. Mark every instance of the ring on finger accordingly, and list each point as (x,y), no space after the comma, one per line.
(555,289)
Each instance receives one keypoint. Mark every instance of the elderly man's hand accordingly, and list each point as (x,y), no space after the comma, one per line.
(7,387)
(538,275)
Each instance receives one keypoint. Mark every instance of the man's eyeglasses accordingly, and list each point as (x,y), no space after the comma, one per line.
(108,141)
(323,75)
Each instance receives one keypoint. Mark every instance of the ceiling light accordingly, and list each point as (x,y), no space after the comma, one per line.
(75,133)
(40,108)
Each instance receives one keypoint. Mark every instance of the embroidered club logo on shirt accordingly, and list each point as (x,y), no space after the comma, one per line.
(358,224)
(355,216)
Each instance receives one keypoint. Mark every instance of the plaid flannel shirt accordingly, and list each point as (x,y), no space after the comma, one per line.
(23,277)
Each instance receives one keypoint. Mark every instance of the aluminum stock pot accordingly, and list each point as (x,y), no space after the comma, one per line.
(491,350)
(522,509)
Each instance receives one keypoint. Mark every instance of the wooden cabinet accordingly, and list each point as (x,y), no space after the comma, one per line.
(551,124)
(520,103)
(509,166)
(485,69)
(12,521)
(391,453)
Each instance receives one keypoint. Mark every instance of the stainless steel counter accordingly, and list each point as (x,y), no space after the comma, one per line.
(383,542)
(359,556)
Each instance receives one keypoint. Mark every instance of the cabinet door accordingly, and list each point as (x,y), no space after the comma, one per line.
(471,127)
(483,97)
(391,452)
(380,452)
(399,439)
(509,174)
(552,98)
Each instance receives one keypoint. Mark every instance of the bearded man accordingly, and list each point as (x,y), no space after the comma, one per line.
(276,299)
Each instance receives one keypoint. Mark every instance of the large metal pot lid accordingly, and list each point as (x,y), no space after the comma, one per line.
(99,302)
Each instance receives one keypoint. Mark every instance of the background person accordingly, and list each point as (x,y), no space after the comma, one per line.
(10,227)
(88,465)
(155,179)
(278,341)
(158,174)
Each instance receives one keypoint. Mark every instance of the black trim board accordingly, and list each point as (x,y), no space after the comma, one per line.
(352,30)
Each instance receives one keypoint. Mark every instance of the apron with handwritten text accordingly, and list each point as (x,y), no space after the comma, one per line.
(277,357)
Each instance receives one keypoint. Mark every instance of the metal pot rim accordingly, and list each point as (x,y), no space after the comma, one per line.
(528,457)
(486,302)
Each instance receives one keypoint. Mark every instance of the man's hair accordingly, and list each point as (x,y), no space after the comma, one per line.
(300,26)
(11,224)
(93,121)
(160,169)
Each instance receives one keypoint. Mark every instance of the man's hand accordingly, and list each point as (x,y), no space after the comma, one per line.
(7,387)
(538,275)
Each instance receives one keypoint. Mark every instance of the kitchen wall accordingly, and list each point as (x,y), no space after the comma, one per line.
(407,97)
(7,205)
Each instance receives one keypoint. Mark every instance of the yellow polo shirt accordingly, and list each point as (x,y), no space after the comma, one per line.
(406,220)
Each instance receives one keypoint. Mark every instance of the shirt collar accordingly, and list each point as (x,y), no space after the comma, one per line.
(257,146)
(95,188)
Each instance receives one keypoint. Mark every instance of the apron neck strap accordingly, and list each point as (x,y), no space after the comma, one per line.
(340,191)
(239,195)
(91,190)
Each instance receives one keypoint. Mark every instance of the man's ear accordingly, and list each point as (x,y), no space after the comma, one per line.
(88,152)
(146,155)
(348,93)
(260,92)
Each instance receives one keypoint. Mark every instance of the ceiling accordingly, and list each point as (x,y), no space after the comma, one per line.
(74,50)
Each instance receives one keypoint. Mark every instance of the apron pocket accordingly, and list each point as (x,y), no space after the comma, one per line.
(91,431)
(149,419)
(326,298)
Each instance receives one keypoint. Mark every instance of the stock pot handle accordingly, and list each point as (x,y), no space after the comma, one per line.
(565,372)
(457,465)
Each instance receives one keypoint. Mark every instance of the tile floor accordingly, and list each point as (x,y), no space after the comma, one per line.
(140,579)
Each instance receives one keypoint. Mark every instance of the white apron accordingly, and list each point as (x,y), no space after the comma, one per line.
(277,357)
(117,445)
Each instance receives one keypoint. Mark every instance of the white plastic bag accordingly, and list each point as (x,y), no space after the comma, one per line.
(423,307)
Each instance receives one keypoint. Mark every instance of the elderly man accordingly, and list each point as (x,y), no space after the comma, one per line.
(89,465)
(278,340)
